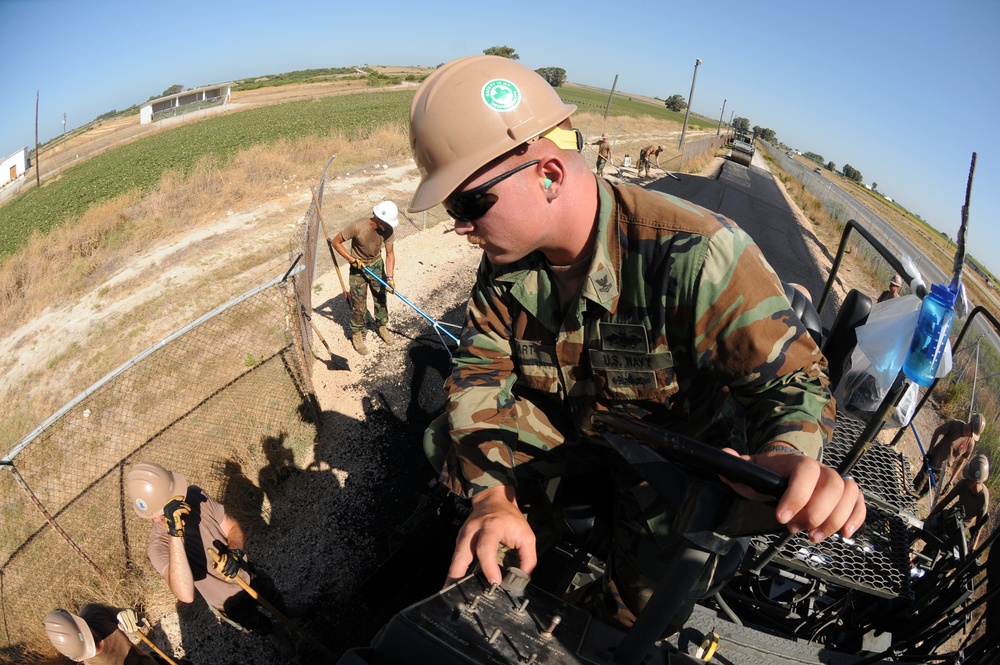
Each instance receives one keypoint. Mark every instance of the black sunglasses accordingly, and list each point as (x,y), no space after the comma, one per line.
(472,204)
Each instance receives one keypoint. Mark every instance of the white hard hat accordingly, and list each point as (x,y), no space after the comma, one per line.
(387,212)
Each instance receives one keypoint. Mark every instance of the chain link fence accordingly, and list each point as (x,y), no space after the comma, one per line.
(231,390)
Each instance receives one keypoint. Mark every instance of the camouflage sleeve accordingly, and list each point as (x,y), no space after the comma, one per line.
(745,329)
(481,406)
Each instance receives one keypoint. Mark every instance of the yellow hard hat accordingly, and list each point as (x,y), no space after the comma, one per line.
(471,111)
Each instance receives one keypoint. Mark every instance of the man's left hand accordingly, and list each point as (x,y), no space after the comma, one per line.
(392,284)
(128,621)
(817,500)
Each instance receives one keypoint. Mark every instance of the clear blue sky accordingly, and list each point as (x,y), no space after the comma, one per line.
(904,91)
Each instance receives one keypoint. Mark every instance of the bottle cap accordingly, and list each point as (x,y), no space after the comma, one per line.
(944,294)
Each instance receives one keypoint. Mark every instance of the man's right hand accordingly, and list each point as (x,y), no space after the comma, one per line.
(495,519)
(174,513)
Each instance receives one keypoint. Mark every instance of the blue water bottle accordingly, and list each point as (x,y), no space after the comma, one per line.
(937,313)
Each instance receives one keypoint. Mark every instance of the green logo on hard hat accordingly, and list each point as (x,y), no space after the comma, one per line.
(501,95)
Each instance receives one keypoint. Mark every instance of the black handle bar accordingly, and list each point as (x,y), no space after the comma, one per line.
(687,450)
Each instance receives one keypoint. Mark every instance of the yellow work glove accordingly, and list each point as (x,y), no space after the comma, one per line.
(230,563)
(174,512)
(392,284)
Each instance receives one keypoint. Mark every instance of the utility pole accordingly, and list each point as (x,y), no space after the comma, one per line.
(719,130)
(38,168)
(680,143)
(608,107)
(64,124)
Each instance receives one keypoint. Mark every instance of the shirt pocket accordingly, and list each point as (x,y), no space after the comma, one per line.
(539,369)
(631,375)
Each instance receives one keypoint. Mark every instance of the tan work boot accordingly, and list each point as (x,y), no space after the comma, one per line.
(386,336)
(358,340)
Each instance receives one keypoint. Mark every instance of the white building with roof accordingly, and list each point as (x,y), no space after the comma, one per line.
(182,102)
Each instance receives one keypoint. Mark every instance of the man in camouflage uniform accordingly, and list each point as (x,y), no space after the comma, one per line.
(971,495)
(952,445)
(368,235)
(603,153)
(592,297)
(645,155)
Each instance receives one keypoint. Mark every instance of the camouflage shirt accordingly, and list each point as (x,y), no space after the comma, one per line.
(680,322)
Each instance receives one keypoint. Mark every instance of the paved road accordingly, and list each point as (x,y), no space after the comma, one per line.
(750,197)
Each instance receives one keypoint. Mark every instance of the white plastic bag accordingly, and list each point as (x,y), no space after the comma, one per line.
(883,342)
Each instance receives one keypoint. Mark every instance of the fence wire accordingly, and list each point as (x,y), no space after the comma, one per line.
(222,391)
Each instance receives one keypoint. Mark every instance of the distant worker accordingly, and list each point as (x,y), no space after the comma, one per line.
(180,555)
(647,153)
(972,495)
(367,236)
(892,291)
(952,445)
(96,636)
(603,154)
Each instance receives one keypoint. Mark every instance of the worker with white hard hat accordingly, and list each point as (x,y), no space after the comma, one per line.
(368,236)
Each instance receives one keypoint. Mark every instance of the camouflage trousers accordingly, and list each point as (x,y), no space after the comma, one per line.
(643,163)
(601,163)
(644,540)
(360,281)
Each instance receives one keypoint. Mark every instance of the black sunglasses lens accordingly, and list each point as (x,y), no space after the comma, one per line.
(470,208)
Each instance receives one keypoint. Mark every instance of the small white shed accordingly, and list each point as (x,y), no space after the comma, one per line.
(13,167)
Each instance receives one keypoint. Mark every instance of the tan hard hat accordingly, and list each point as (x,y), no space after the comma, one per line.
(150,487)
(896,281)
(978,424)
(387,212)
(978,469)
(471,111)
(70,635)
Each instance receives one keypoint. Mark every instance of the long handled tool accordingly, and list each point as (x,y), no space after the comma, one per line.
(439,327)
(923,456)
(329,244)
(316,330)
(155,648)
(274,612)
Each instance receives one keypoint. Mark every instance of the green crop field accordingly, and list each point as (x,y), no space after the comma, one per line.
(141,164)
(595,101)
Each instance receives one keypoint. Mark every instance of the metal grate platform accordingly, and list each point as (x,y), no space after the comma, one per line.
(876,560)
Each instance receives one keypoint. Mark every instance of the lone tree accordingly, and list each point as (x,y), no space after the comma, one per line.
(675,103)
(502,51)
(556,76)
(764,134)
(741,123)
(852,173)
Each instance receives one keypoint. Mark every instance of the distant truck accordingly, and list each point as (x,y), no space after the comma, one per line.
(743,147)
